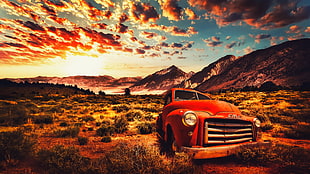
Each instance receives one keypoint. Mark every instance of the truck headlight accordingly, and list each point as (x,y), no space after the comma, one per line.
(257,122)
(189,118)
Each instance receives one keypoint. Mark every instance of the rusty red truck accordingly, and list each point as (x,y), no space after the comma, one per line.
(194,123)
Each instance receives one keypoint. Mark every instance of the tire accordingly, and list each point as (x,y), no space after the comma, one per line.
(171,144)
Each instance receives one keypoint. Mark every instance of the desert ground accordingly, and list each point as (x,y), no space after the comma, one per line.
(116,134)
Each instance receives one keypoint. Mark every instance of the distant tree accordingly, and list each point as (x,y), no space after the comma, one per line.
(269,86)
(127,91)
(102,93)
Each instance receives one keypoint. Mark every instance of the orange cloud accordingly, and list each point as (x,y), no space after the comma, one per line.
(191,14)
(174,30)
(294,29)
(171,9)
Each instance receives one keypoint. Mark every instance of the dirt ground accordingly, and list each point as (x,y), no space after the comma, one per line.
(96,149)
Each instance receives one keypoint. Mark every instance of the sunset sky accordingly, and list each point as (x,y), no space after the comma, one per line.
(124,38)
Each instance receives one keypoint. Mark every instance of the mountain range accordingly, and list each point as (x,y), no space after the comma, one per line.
(286,64)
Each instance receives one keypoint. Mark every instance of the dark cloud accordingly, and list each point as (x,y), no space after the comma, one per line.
(32,26)
(264,14)
(148,35)
(100,25)
(143,12)
(231,45)
(121,28)
(176,45)
(213,42)
(48,10)
(15,45)
(260,37)
(123,18)
(174,30)
(140,51)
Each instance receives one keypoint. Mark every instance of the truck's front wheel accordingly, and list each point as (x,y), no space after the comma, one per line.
(171,144)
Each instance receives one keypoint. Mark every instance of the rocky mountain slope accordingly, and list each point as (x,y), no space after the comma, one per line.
(286,64)
(160,81)
(206,73)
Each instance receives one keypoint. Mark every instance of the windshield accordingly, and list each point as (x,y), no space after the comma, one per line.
(189,95)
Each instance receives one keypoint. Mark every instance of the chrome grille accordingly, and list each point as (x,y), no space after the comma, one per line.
(226,131)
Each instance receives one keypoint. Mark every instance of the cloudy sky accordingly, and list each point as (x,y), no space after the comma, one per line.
(138,37)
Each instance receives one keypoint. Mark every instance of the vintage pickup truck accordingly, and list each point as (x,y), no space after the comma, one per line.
(194,123)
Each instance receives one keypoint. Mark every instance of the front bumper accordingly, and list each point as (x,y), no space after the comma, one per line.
(220,151)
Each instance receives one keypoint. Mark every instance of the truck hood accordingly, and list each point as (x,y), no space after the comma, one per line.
(212,106)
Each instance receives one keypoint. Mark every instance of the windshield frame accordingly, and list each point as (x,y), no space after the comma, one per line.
(181,95)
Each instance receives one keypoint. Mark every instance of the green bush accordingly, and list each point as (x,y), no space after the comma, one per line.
(60,159)
(106,139)
(82,140)
(146,128)
(121,124)
(68,132)
(15,145)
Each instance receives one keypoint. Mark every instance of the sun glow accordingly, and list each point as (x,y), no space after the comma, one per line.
(83,65)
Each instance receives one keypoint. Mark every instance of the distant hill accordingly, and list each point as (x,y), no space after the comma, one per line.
(160,81)
(9,89)
(286,64)
(105,83)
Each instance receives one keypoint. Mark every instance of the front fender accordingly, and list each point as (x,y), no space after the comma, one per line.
(184,135)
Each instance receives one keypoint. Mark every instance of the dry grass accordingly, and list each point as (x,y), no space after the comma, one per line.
(285,115)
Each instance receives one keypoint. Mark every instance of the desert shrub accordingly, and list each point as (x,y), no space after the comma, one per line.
(63,124)
(106,139)
(151,108)
(87,118)
(135,159)
(82,140)
(68,132)
(106,129)
(298,132)
(286,157)
(121,108)
(120,124)
(146,128)
(141,159)
(46,119)
(284,120)
(14,114)
(133,115)
(182,163)
(267,126)
(148,117)
(15,145)
(60,159)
